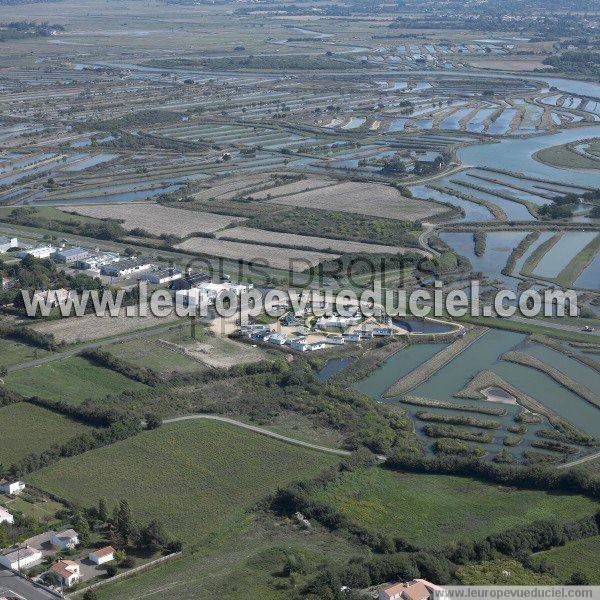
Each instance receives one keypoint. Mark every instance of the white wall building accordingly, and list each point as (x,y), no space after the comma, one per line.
(11,488)
(7,243)
(64,540)
(67,572)
(21,559)
(38,252)
(102,555)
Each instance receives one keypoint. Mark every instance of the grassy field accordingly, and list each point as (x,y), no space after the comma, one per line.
(73,379)
(14,353)
(25,428)
(200,478)
(582,555)
(429,510)
(564,157)
(153,355)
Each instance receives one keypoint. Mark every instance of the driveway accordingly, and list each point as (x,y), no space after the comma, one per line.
(12,585)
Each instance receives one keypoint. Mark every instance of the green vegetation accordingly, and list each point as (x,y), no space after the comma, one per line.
(26,428)
(73,379)
(338,225)
(428,510)
(13,352)
(578,263)
(501,572)
(223,471)
(578,556)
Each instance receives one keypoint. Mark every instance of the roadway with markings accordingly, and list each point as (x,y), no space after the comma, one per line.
(13,586)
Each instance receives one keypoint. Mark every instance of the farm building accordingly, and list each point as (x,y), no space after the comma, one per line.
(102,555)
(21,558)
(38,252)
(7,243)
(11,488)
(64,540)
(5,516)
(67,572)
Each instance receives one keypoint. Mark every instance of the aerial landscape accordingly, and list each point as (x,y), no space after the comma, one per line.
(300,298)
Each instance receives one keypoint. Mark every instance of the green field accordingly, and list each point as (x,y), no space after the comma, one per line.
(199,477)
(429,510)
(72,379)
(15,353)
(152,355)
(564,157)
(25,428)
(582,555)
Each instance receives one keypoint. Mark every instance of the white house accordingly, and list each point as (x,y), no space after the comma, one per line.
(96,260)
(65,540)
(5,516)
(21,558)
(301,345)
(7,243)
(12,488)
(67,572)
(317,346)
(102,555)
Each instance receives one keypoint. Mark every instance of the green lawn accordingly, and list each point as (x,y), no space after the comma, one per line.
(432,510)
(582,555)
(199,477)
(15,353)
(73,379)
(25,428)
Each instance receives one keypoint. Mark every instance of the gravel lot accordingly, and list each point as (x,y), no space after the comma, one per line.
(277,258)
(373,199)
(157,219)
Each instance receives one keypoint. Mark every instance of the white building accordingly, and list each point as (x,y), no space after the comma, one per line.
(125,268)
(336,321)
(96,260)
(39,252)
(21,558)
(65,540)
(7,244)
(5,516)
(72,255)
(102,555)
(12,488)
(160,276)
(67,572)
(301,345)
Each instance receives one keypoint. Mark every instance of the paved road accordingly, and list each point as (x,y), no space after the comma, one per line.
(555,325)
(93,346)
(267,432)
(13,585)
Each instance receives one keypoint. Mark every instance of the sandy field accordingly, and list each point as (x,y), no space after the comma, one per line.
(157,219)
(291,240)
(373,199)
(277,258)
